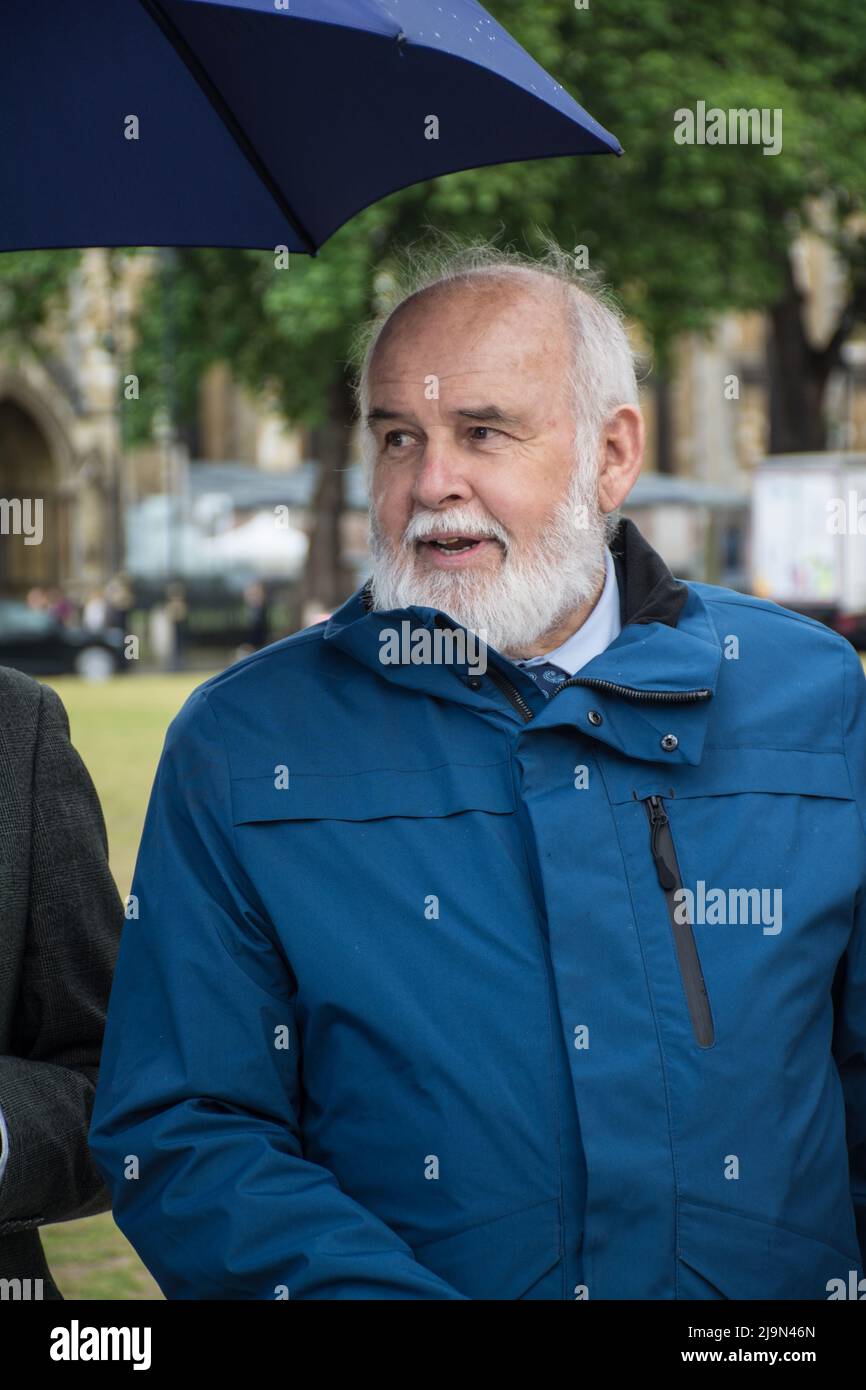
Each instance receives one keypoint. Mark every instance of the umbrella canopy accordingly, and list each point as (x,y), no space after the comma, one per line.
(255,123)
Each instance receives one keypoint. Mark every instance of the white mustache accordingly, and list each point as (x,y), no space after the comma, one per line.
(422,528)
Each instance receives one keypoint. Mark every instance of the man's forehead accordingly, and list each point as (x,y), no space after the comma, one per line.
(419,376)
(451,352)
(481,395)
(512,372)
(506,393)
(468,333)
(482,412)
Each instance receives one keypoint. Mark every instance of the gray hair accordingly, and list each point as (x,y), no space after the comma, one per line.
(601,369)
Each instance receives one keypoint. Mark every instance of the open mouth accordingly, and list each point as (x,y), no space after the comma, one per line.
(456,544)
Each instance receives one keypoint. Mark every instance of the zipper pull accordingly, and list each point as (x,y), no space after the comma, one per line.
(658,819)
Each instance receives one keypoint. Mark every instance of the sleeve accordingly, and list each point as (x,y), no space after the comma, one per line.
(849,1035)
(74,921)
(4,1145)
(196,1121)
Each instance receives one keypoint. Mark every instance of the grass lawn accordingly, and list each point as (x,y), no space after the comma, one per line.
(118,728)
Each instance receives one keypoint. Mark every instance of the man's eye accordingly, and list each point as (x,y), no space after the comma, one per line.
(391,436)
(489,431)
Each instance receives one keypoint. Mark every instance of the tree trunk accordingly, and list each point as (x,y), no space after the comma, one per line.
(328,581)
(796,397)
(798,374)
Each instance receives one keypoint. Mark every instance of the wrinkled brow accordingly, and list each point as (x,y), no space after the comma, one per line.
(484,414)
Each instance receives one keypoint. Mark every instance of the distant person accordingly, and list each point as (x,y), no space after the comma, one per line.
(168,628)
(119,598)
(177,613)
(60,605)
(256,619)
(60,924)
(94,615)
(37,599)
(161,636)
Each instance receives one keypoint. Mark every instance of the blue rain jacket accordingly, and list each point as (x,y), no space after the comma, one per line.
(416,1006)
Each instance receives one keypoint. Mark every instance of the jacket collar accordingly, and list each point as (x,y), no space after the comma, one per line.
(667,646)
(648,592)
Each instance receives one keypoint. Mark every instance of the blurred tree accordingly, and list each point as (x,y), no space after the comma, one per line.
(33,285)
(687,231)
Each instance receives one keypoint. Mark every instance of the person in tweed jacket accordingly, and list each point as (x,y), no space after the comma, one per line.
(60,923)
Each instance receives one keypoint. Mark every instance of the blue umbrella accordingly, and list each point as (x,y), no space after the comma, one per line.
(255,123)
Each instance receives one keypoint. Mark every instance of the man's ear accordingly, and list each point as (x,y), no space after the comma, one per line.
(621,450)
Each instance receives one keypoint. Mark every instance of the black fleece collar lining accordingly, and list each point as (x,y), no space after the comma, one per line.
(648,592)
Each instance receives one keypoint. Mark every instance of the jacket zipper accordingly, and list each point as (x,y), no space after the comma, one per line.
(670,697)
(511,693)
(668,871)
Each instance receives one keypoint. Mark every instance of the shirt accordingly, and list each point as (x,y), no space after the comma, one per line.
(594,636)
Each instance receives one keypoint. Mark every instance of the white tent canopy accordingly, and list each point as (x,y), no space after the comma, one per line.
(159,540)
(272,550)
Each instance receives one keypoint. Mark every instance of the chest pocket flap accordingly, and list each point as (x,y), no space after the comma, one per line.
(726,771)
(441,790)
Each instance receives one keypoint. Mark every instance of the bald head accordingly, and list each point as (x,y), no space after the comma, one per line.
(515,326)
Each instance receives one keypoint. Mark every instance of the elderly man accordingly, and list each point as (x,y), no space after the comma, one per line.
(531,972)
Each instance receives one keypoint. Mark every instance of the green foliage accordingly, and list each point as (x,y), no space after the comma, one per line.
(683,232)
(686,231)
(31,284)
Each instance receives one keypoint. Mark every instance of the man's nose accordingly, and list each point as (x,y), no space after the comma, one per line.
(439,477)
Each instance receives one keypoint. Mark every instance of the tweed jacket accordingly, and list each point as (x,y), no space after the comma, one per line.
(60,923)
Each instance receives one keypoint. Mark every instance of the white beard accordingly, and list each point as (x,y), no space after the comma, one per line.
(531,594)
